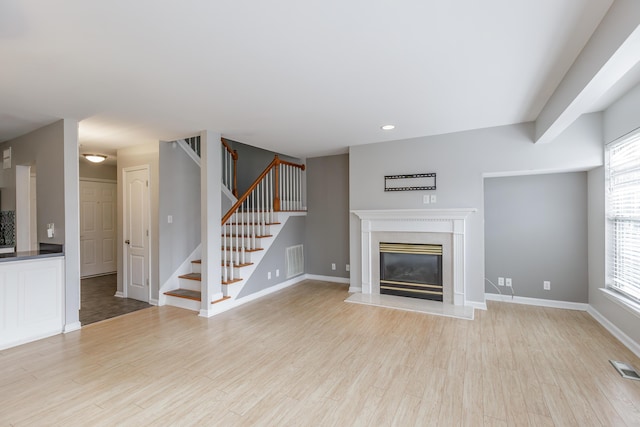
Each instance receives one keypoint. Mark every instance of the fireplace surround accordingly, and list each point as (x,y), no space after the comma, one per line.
(445,227)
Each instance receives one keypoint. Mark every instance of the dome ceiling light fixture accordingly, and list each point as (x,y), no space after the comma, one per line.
(95,158)
(388,127)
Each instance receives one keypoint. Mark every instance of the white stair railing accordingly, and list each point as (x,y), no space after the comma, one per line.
(250,216)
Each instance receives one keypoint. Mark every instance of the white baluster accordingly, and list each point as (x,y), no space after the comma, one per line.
(242,249)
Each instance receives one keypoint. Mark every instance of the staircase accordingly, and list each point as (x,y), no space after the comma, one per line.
(248,228)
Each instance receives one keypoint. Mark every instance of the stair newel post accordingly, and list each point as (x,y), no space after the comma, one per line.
(276,196)
(264,209)
(235,174)
(224,251)
(299,189)
(270,198)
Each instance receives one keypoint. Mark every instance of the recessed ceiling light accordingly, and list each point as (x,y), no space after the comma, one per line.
(388,127)
(95,158)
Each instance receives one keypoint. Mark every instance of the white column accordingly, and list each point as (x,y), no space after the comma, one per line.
(71,227)
(210,207)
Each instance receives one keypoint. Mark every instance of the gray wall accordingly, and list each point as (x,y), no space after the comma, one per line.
(292,234)
(252,161)
(462,160)
(327,229)
(145,154)
(97,170)
(42,149)
(536,230)
(179,197)
(619,119)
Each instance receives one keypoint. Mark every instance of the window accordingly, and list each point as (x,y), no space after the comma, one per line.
(623,216)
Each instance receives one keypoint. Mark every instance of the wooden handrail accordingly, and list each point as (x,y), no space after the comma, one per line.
(252,187)
(234,153)
(276,197)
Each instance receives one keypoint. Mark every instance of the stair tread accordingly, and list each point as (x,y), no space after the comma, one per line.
(252,223)
(234,249)
(231,281)
(192,295)
(260,236)
(196,261)
(184,293)
(191,276)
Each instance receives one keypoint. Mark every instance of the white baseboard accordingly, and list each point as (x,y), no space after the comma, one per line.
(615,331)
(355,289)
(476,305)
(153,301)
(70,327)
(334,279)
(119,294)
(537,302)
(227,305)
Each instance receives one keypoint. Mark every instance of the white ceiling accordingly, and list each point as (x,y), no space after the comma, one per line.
(304,78)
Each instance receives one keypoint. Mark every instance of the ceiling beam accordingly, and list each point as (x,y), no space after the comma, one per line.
(612,50)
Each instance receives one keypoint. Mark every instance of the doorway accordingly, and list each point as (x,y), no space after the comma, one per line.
(136,232)
(97,228)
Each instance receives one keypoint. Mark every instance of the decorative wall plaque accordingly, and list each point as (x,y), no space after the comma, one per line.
(416,181)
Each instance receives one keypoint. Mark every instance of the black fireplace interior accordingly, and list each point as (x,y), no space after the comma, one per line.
(411,270)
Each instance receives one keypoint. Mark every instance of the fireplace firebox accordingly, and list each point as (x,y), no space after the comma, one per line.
(411,270)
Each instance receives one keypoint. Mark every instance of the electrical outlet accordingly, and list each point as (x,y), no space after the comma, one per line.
(333,265)
(433,198)
(169,219)
(507,282)
(269,276)
(425,199)
(348,267)
(277,273)
(547,285)
(500,281)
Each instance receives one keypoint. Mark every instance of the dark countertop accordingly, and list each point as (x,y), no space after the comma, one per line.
(45,251)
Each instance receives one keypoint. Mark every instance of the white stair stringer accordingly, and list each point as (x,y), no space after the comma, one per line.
(175,282)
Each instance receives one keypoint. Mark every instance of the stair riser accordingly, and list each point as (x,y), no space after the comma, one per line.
(195,267)
(192,285)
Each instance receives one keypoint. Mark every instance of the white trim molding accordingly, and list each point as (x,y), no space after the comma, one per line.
(442,224)
(631,306)
(567,305)
(344,280)
(615,331)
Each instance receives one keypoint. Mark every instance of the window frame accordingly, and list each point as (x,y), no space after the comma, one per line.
(627,300)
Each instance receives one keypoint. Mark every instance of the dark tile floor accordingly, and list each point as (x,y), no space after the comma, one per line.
(99,302)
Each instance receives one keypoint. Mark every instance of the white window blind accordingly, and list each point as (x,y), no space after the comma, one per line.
(624,216)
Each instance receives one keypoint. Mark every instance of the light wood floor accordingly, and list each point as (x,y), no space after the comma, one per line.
(303,357)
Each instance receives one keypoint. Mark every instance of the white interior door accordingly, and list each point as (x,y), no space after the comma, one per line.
(136,232)
(97,228)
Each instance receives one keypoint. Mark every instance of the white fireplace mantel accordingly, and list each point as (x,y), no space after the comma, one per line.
(448,221)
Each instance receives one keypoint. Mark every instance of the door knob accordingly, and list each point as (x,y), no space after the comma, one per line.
(127,241)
